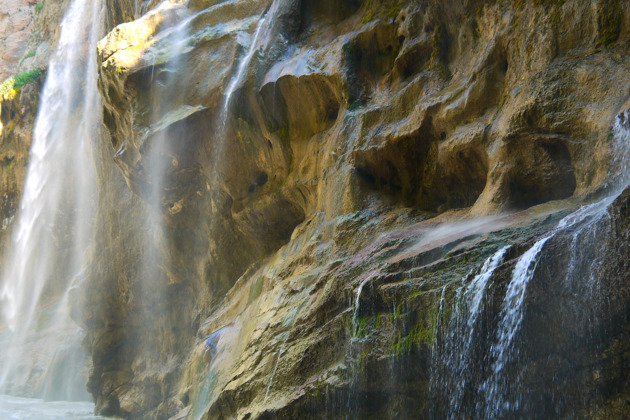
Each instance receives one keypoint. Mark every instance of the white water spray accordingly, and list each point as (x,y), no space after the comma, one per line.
(477,288)
(455,355)
(242,67)
(512,308)
(504,351)
(54,226)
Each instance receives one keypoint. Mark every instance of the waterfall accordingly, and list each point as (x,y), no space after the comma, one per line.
(511,318)
(216,374)
(462,333)
(242,69)
(50,242)
(234,82)
(583,228)
(479,372)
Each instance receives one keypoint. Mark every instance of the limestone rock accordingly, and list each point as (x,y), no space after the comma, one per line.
(354,130)
(326,203)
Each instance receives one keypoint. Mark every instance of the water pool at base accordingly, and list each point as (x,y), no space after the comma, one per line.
(32,409)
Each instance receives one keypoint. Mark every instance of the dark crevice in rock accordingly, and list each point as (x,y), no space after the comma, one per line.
(420,172)
(300,107)
(543,171)
(368,58)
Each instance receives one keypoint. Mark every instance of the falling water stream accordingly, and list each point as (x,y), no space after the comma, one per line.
(51,244)
(461,334)
(212,379)
(498,394)
(42,356)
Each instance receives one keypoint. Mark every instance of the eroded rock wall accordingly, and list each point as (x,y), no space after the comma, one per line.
(304,217)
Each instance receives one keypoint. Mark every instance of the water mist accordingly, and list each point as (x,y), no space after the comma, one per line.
(54,226)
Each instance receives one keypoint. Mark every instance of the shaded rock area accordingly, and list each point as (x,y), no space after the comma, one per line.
(325,204)
(316,214)
(17,119)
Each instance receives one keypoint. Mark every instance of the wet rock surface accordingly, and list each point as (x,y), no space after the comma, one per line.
(329,206)
(332,185)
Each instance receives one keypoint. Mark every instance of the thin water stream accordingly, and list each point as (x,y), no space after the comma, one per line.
(494,389)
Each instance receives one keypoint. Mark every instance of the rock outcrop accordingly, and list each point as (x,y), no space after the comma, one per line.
(16,19)
(311,184)
(300,200)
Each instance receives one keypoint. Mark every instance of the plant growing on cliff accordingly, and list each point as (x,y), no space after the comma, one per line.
(39,6)
(11,87)
(28,55)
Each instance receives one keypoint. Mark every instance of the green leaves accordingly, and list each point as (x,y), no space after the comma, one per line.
(12,86)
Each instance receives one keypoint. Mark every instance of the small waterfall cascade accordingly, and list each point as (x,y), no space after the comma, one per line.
(481,367)
(511,318)
(150,282)
(223,341)
(242,69)
(460,340)
(234,82)
(42,355)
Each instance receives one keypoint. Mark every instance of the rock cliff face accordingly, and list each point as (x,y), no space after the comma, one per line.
(331,177)
(16,19)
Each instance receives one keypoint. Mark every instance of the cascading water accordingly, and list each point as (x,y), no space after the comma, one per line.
(459,342)
(511,318)
(496,389)
(42,355)
(235,81)
(212,379)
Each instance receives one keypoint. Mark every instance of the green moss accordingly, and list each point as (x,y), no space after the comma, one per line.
(428,334)
(374,10)
(283,133)
(418,293)
(370,13)
(396,314)
(394,12)
(366,325)
(26,78)
(11,87)
(369,16)
(404,344)
(39,6)
(420,334)
(609,16)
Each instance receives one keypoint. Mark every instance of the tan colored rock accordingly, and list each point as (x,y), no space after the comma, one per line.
(16,17)
(355,130)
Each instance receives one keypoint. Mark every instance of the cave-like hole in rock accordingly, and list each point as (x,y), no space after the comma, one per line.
(543,171)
